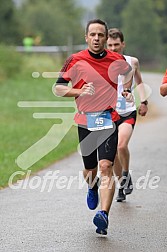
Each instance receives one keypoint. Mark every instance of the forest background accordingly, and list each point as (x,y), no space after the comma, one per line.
(144,23)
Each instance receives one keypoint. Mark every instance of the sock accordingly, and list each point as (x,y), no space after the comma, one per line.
(128,181)
(96,185)
(124,178)
(125,173)
(105,212)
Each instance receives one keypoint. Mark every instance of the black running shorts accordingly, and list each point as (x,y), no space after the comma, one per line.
(97,145)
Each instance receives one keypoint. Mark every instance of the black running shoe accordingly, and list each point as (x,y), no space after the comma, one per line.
(129,187)
(121,196)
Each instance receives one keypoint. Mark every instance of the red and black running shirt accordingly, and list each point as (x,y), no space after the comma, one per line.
(84,67)
(165,78)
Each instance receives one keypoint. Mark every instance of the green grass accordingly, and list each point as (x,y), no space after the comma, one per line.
(19,130)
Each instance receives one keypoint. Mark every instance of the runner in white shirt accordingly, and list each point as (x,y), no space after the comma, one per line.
(127,112)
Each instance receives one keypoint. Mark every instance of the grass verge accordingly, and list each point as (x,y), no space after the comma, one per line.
(19,130)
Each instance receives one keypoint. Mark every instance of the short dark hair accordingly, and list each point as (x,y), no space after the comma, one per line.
(115,33)
(97,21)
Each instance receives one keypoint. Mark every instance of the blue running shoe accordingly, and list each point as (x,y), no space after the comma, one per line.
(92,198)
(101,222)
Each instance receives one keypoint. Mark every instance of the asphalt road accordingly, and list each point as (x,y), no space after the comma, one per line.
(46,214)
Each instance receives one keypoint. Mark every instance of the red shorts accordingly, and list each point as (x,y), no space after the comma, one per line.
(128,118)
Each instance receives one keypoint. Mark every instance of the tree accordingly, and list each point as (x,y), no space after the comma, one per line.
(140,26)
(160,7)
(9,28)
(110,11)
(54,20)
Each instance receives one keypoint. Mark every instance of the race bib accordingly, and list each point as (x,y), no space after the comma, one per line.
(121,104)
(99,120)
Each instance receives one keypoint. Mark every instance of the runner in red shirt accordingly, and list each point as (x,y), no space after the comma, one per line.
(163,87)
(94,75)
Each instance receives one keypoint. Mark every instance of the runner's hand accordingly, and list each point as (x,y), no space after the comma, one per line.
(128,96)
(142,109)
(88,89)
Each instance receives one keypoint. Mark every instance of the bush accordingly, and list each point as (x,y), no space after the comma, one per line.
(10,62)
(36,62)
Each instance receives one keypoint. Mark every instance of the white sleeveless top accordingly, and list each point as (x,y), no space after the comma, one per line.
(122,106)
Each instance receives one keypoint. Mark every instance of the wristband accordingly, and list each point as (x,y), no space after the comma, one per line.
(145,102)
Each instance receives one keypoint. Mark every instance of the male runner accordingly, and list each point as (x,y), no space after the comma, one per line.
(127,112)
(94,76)
(163,87)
